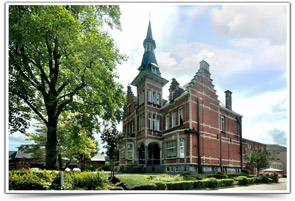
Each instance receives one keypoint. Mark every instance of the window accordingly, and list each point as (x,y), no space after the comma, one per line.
(181,148)
(154,121)
(158,123)
(150,121)
(167,121)
(173,95)
(222,123)
(141,121)
(180,116)
(132,122)
(154,97)
(141,97)
(256,148)
(173,119)
(171,148)
(150,96)
(277,152)
(129,151)
(249,146)
(176,169)
(158,99)
(153,69)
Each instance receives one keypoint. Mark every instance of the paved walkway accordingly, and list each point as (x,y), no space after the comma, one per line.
(282,185)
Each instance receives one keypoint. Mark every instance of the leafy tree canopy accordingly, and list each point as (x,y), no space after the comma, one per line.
(113,138)
(61,58)
(259,159)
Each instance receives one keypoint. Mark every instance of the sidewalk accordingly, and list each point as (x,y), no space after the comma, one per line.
(282,185)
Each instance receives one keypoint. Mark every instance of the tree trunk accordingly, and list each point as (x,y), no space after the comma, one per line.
(60,162)
(258,171)
(51,152)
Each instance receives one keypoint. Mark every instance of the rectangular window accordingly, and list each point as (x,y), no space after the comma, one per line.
(129,151)
(123,155)
(154,121)
(181,147)
(154,97)
(277,152)
(158,99)
(150,96)
(141,121)
(158,122)
(167,121)
(173,95)
(132,130)
(180,116)
(249,146)
(150,121)
(222,123)
(171,149)
(173,119)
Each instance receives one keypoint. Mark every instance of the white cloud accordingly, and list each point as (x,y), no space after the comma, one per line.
(259,21)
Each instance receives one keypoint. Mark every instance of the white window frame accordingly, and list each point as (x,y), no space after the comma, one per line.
(222,124)
(181,147)
(249,146)
(150,121)
(173,118)
(180,114)
(167,121)
(158,122)
(129,151)
(154,121)
(170,149)
(158,98)
(154,97)
(150,100)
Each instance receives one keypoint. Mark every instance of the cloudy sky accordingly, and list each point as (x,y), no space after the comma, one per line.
(246,46)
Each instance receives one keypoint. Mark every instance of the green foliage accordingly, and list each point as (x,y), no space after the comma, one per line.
(246,171)
(190,176)
(218,175)
(33,180)
(180,185)
(243,180)
(135,182)
(61,58)
(230,176)
(258,159)
(112,138)
(166,178)
(87,180)
(225,182)
(160,185)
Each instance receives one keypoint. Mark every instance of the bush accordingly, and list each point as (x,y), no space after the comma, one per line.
(33,180)
(113,188)
(225,182)
(218,175)
(242,180)
(160,185)
(231,176)
(85,180)
(190,176)
(246,171)
(180,185)
(166,178)
(135,182)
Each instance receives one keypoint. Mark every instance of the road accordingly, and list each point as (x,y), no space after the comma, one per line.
(281,186)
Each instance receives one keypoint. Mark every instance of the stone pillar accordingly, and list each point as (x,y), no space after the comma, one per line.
(146,155)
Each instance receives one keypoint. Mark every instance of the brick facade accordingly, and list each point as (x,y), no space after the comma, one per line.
(190,132)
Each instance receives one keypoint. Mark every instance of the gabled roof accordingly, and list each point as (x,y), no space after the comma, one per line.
(12,155)
(98,157)
(22,154)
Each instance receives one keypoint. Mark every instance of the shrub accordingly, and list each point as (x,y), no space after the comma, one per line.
(242,180)
(160,185)
(167,178)
(250,180)
(231,176)
(218,175)
(246,171)
(112,188)
(33,180)
(225,182)
(180,185)
(190,176)
(135,182)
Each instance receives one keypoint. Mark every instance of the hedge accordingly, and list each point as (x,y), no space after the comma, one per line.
(179,185)
(135,182)
(190,176)
(160,185)
(33,180)
(218,175)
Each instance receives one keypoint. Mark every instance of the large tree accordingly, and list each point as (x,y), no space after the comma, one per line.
(61,58)
(112,137)
(75,140)
(259,159)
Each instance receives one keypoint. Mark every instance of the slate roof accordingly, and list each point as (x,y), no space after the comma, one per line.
(275,147)
(12,155)
(22,154)
(98,157)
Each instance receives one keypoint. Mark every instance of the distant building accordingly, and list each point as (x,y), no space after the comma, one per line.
(279,154)
(192,131)
(21,160)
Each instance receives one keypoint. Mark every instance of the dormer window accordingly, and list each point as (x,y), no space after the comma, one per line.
(173,95)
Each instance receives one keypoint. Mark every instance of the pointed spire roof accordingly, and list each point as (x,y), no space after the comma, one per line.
(149,34)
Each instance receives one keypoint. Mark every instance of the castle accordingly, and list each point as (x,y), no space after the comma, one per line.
(192,131)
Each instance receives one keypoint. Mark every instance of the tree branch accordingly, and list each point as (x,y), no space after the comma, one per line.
(30,105)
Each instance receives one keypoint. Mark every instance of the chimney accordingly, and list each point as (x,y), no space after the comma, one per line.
(228,101)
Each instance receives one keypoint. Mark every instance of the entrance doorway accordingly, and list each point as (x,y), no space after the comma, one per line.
(153,154)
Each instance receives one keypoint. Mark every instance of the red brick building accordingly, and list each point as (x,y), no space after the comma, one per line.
(190,132)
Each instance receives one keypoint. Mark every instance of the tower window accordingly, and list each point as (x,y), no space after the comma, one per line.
(222,123)
(180,116)
(181,148)
(150,96)
(167,121)
(173,119)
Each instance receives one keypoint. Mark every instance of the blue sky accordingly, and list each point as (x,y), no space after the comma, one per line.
(246,46)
